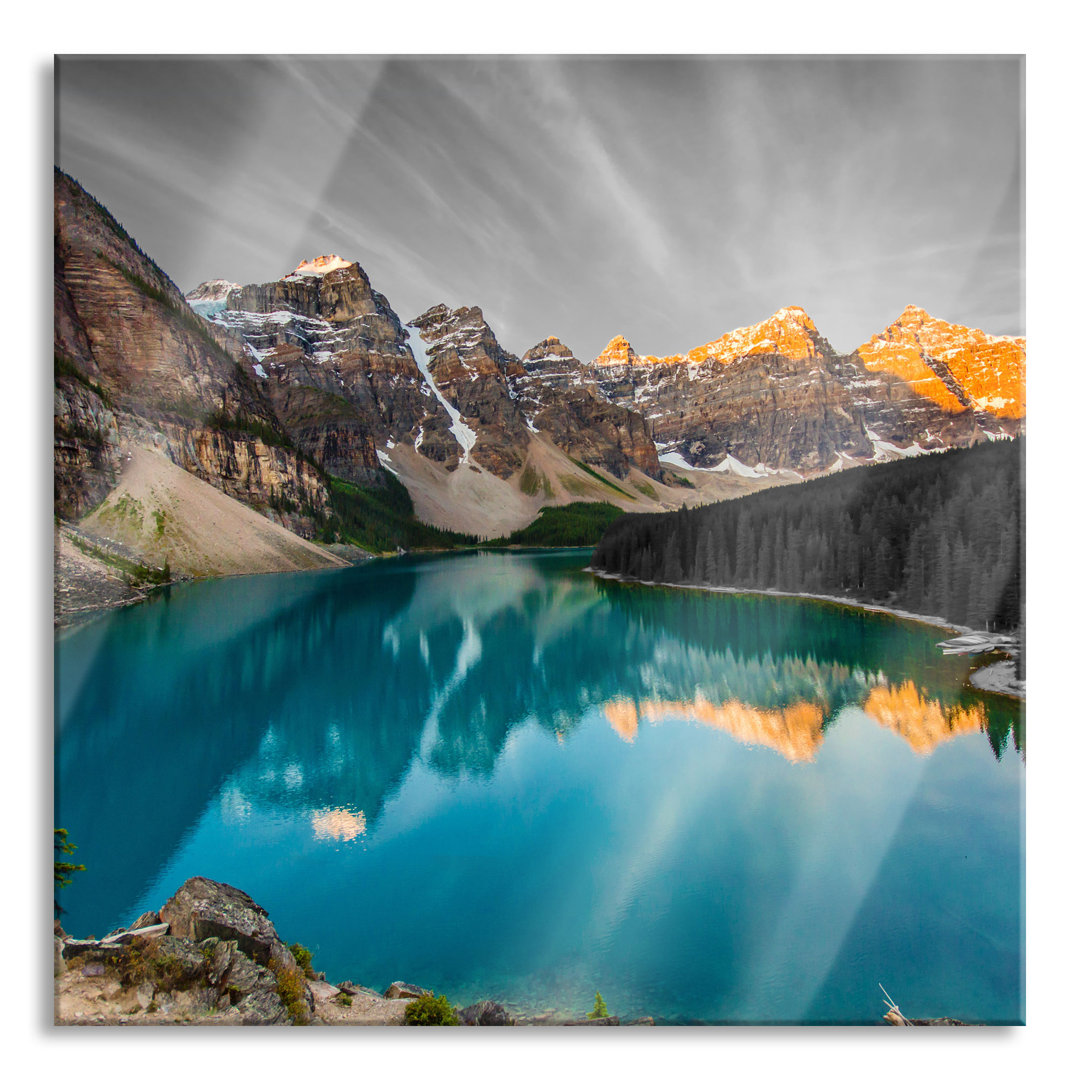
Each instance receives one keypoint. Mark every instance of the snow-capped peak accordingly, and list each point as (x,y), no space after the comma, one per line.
(211,291)
(321,264)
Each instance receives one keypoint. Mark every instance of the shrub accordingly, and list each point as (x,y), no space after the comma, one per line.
(431,1011)
(290,988)
(303,958)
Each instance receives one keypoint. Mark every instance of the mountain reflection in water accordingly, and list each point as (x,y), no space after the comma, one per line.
(796,731)
(323,727)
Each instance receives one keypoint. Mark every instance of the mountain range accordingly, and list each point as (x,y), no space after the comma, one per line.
(309,399)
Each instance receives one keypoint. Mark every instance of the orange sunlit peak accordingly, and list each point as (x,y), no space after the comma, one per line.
(617,351)
(322,264)
(986,371)
(795,313)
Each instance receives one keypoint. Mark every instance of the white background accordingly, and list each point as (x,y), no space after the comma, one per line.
(34,34)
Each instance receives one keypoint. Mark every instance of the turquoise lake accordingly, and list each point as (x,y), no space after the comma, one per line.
(497,776)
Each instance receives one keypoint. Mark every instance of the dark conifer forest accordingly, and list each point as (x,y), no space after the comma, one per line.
(936,535)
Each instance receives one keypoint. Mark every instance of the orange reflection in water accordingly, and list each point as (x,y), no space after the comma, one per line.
(338,824)
(794,731)
(921,722)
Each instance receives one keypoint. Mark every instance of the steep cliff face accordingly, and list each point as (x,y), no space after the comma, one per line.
(86,445)
(469,371)
(776,395)
(557,396)
(136,366)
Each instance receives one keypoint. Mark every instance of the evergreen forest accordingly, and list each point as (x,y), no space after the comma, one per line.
(937,535)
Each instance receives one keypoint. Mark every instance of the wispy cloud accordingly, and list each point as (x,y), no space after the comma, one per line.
(666,199)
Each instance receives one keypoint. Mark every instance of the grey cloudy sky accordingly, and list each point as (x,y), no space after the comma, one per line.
(669,199)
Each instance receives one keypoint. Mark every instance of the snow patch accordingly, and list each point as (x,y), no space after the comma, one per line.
(887,451)
(730,464)
(992,402)
(384,458)
(733,465)
(461,431)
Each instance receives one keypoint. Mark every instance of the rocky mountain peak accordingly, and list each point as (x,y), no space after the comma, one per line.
(956,366)
(210,292)
(617,352)
(320,265)
(796,314)
(788,332)
(550,346)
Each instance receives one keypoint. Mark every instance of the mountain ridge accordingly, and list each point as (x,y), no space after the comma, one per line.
(274,392)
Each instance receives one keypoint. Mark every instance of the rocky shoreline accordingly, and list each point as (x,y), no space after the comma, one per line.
(211,956)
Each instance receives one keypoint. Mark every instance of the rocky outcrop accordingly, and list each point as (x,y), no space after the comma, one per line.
(212,956)
(405,990)
(330,430)
(558,398)
(167,980)
(202,908)
(253,471)
(485,1014)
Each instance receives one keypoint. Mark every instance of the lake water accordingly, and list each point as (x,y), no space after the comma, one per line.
(499,777)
